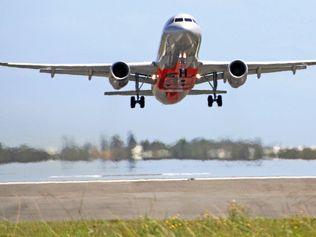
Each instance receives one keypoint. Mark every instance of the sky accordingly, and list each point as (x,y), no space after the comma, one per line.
(38,111)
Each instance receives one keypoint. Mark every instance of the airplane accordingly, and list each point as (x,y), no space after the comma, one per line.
(176,70)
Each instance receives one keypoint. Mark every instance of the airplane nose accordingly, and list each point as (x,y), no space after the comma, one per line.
(185,28)
(186,32)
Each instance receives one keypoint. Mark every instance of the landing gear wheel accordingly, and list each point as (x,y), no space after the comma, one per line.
(142,102)
(133,102)
(219,101)
(210,101)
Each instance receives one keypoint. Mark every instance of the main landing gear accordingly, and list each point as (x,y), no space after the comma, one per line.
(138,99)
(217,99)
(214,98)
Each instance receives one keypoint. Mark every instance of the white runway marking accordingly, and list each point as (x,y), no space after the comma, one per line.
(69,177)
(162,180)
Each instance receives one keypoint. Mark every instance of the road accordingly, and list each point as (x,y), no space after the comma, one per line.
(158,199)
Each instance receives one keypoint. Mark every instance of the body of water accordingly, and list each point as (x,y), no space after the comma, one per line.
(155,169)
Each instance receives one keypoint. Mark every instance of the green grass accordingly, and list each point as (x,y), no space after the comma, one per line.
(237,223)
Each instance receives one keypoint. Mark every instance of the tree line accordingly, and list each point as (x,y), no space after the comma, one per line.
(115,148)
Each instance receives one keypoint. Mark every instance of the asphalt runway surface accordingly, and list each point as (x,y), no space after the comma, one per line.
(268,197)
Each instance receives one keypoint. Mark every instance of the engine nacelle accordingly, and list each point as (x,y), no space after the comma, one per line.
(120,72)
(238,73)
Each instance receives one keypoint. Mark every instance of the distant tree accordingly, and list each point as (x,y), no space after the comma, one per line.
(1,151)
(258,150)
(104,143)
(117,148)
(181,150)
(289,154)
(240,151)
(24,154)
(116,142)
(200,148)
(68,142)
(157,145)
(87,146)
(72,152)
(145,144)
(308,154)
(131,143)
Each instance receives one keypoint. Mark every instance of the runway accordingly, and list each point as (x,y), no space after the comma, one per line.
(125,199)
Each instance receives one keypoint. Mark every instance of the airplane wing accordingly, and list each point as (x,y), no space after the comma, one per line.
(150,93)
(257,68)
(99,70)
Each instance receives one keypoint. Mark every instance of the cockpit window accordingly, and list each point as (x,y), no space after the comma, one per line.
(170,21)
(178,20)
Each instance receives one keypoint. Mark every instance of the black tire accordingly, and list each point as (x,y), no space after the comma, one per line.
(219,101)
(210,101)
(133,102)
(142,102)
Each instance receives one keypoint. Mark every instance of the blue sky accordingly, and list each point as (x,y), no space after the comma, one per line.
(38,111)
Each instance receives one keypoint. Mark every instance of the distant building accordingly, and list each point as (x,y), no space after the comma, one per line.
(137,152)
(252,153)
(162,153)
(219,154)
(156,154)
(148,155)
(52,151)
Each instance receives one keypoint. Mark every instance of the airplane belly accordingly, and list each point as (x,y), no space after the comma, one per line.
(168,97)
(170,87)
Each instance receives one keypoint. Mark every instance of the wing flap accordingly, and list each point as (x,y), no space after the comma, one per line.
(76,72)
(129,93)
(206,92)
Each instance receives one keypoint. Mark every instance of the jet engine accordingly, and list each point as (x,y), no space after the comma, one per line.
(120,72)
(238,73)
